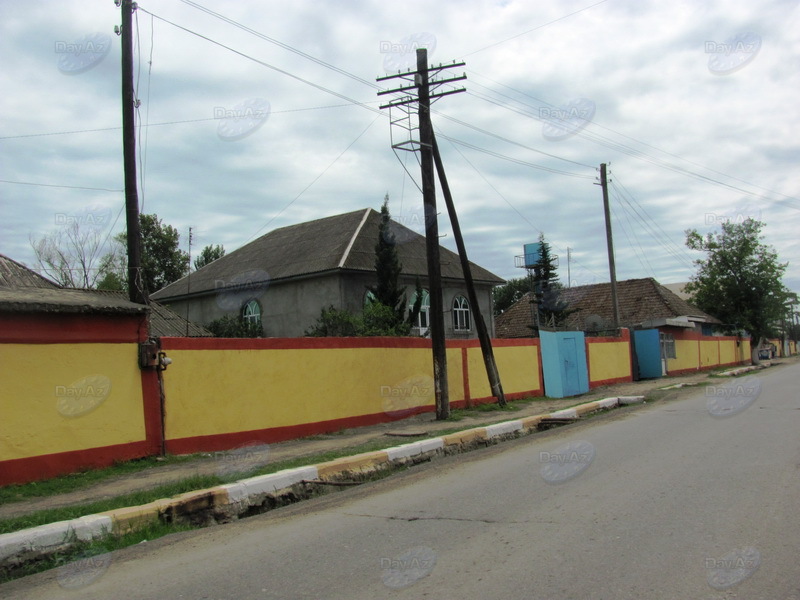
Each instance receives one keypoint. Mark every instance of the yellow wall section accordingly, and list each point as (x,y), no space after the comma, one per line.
(64,397)
(709,353)
(727,351)
(517,366)
(609,360)
(687,356)
(224,391)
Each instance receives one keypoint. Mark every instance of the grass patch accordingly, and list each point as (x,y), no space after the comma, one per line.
(76,481)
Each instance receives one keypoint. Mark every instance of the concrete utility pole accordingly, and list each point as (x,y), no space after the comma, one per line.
(136,291)
(610,242)
(480,325)
(421,83)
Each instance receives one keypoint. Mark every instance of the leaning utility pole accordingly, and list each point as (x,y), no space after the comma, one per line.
(610,242)
(136,291)
(480,325)
(421,84)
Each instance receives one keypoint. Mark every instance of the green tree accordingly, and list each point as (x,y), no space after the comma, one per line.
(388,268)
(552,311)
(208,255)
(506,295)
(739,281)
(162,259)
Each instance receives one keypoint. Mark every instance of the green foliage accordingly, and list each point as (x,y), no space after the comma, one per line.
(388,268)
(506,295)
(376,320)
(740,280)
(333,322)
(235,327)
(162,259)
(413,312)
(381,320)
(553,311)
(208,255)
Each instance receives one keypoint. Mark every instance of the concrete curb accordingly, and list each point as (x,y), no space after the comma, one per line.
(257,494)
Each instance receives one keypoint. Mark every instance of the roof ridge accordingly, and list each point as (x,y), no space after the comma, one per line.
(352,241)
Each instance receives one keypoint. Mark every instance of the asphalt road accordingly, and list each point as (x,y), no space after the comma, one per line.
(694,498)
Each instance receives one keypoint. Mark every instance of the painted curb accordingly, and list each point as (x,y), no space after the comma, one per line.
(50,538)
(626,400)
(235,498)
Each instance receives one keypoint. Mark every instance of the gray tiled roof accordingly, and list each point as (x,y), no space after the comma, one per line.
(345,241)
(639,300)
(16,275)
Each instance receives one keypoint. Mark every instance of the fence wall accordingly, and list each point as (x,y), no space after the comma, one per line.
(695,352)
(73,395)
(609,359)
(223,392)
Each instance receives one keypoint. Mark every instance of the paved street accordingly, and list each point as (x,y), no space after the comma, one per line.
(690,499)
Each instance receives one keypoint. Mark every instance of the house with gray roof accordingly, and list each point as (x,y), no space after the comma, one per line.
(286,277)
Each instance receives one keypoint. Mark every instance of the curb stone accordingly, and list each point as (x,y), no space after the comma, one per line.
(256,494)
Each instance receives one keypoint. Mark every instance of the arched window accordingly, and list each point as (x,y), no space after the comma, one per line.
(251,312)
(423,319)
(369,298)
(461,316)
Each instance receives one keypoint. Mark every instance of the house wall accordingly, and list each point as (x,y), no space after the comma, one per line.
(609,359)
(272,390)
(77,398)
(288,308)
(355,285)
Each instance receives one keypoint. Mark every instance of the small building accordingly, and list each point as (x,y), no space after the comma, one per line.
(285,278)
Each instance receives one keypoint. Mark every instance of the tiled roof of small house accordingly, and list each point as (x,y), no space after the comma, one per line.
(341,242)
(16,275)
(640,300)
(24,290)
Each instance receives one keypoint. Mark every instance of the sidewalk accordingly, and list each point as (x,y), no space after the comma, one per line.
(415,428)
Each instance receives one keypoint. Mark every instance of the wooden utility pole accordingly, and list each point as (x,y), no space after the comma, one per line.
(610,242)
(136,291)
(419,81)
(432,239)
(480,325)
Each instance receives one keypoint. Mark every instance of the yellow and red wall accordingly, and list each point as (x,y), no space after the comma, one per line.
(224,392)
(695,352)
(73,396)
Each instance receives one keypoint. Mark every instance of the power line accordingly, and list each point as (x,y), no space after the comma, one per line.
(67,187)
(317,178)
(513,37)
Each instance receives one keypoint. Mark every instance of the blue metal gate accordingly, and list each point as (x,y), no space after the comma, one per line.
(648,353)
(564,363)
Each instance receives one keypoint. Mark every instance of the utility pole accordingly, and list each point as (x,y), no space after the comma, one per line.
(480,325)
(419,80)
(432,239)
(569,276)
(189,281)
(610,243)
(136,291)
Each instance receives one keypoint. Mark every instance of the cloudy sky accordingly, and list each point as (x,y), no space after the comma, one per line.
(254,116)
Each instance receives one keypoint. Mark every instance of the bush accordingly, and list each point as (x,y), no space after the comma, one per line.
(235,327)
